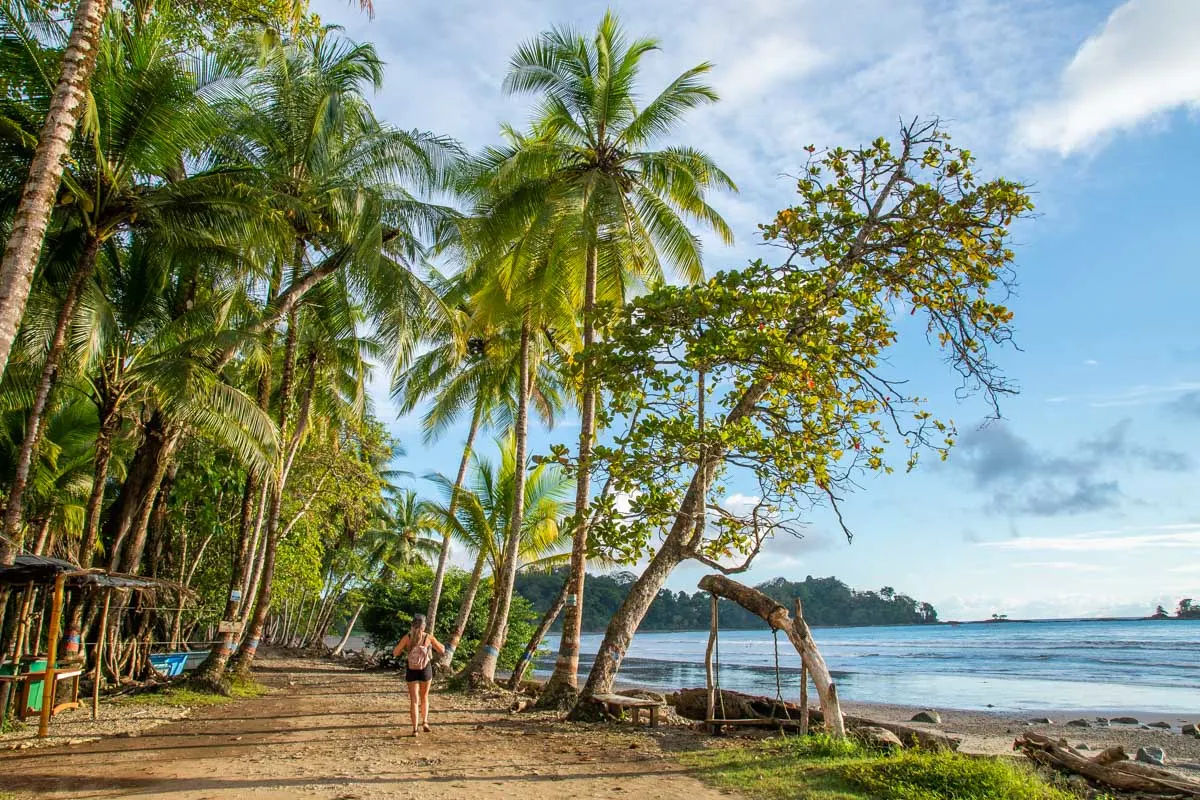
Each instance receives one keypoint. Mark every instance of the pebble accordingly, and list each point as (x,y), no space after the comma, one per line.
(932,717)
(1166,726)
(1079,723)
(1124,720)
(1151,755)
(1082,746)
(1042,721)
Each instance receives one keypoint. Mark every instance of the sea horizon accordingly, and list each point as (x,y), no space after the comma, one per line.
(1083,664)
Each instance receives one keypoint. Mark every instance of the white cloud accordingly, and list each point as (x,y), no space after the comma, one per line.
(740,503)
(1166,536)
(1064,566)
(1140,395)
(1145,61)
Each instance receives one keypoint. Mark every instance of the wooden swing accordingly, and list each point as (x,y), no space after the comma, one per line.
(797,631)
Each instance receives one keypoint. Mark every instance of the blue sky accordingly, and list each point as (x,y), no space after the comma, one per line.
(1083,500)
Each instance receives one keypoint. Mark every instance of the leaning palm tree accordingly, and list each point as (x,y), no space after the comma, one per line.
(597,152)
(483,515)
(66,104)
(151,113)
(347,186)
(65,107)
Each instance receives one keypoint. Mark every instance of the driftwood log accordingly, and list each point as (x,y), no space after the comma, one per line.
(1108,769)
(693,704)
(798,634)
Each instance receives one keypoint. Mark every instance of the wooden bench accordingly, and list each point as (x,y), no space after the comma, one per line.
(28,679)
(634,704)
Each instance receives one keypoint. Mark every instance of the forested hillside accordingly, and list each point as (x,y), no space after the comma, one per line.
(827,601)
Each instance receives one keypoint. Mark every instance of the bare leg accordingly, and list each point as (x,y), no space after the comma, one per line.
(414,702)
(424,704)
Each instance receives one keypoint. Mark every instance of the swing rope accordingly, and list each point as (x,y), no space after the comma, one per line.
(717,671)
(778,683)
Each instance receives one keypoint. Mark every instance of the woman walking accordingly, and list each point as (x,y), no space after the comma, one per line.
(420,645)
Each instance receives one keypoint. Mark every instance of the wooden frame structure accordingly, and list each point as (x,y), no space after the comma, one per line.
(36,570)
(798,633)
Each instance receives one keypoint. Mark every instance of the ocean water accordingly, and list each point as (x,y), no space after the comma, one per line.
(1135,665)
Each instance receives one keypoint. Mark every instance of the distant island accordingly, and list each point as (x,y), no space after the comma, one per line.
(826,601)
(1187,609)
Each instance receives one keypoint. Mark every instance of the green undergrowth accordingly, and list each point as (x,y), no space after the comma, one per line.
(819,768)
(184,695)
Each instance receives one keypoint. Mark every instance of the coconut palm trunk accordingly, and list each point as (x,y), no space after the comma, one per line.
(110,424)
(211,671)
(337,651)
(464,611)
(482,667)
(439,575)
(242,660)
(561,688)
(14,510)
(518,673)
(45,172)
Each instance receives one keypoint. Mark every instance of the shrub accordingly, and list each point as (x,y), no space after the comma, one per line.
(391,603)
(919,775)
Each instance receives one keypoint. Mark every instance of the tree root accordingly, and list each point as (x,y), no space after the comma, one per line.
(210,683)
(559,697)
(588,710)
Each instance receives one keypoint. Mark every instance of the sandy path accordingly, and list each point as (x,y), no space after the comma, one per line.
(329,732)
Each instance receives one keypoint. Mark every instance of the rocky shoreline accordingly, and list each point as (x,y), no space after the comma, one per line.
(993,733)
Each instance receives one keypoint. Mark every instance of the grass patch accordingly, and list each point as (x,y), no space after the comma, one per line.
(188,696)
(819,768)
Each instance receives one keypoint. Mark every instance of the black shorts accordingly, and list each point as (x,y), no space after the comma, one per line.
(418,675)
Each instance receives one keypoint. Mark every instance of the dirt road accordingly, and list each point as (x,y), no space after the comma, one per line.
(332,733)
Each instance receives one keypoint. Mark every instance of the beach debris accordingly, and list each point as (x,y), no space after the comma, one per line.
(1151,755)
(877,738)
(1124,720)
(1110,769)
(1079,723)
(1190,730)
(1166,726)
(1042,721)
(766,712)
(932,717)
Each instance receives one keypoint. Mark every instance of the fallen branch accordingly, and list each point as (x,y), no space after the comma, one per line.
(1117,774)
(770,713)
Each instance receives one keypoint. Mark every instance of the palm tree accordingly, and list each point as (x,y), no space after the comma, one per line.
(150,112)
(591,153)
(469,366)
(49,159)
(518,286)
(66,104)
(483,516)
(401,537)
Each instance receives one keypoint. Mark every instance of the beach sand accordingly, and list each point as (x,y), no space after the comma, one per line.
(329,731)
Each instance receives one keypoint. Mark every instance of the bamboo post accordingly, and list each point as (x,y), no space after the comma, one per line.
(51,657)
(99,657)
(24,615)
(803,682)
(708,661)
